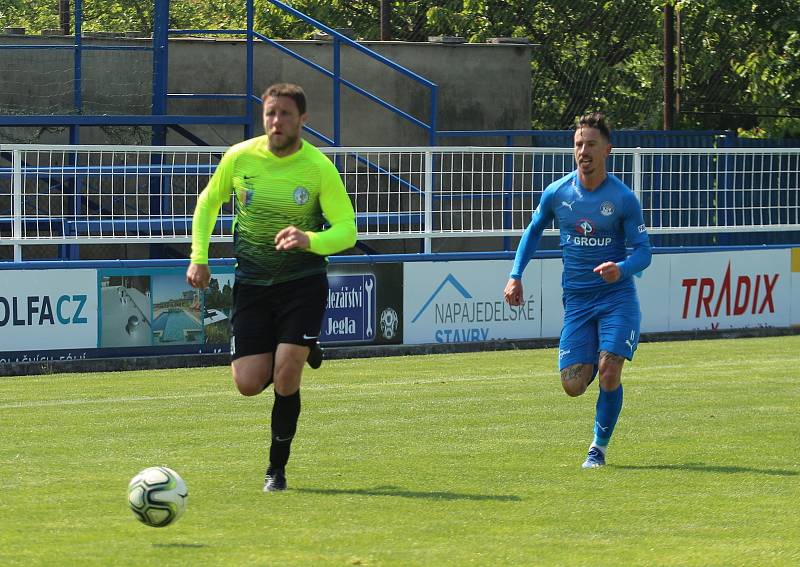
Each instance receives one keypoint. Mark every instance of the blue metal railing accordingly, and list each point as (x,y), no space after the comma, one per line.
(338,81)
(160,120)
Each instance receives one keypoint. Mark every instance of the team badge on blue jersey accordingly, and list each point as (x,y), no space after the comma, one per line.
(301,195)
(607,209)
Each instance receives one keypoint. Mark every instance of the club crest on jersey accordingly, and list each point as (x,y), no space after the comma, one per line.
(245,196)
(584,227)
(301,195)
(607,208)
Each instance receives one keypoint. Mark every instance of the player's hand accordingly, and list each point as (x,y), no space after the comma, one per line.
(198,275)
(291,237)
(513,292)
(609,271)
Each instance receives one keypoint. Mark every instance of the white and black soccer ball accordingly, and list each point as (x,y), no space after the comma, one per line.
(157,496)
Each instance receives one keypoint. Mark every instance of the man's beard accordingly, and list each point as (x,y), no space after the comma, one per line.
(288,143)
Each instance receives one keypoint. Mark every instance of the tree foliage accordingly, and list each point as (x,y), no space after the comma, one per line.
(739,60)
(742,65)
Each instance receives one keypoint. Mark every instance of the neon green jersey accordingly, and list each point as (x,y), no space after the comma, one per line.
(303,189)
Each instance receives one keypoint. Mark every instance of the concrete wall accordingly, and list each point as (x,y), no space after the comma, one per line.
(481,86)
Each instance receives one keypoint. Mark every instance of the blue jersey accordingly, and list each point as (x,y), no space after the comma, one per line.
(595,226)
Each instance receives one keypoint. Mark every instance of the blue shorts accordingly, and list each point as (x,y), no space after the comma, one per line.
(607,320)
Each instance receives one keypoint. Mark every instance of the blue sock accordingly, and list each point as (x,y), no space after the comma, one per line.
(609,404)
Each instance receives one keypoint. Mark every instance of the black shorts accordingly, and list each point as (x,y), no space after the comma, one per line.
(265,316)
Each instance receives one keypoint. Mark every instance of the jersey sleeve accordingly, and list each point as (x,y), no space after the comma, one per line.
(338,211)
(209,202)
(635,237)
(542,217)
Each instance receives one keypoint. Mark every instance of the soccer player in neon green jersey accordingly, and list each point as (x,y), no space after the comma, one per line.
(285,190)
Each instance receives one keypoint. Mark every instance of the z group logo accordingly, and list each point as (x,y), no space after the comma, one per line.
(584,227)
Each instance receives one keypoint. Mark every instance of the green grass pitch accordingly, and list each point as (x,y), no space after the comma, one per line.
(457,459)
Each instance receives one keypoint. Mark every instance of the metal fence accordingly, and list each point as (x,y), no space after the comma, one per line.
(89,195)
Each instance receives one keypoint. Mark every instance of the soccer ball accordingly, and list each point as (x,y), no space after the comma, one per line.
(157,496)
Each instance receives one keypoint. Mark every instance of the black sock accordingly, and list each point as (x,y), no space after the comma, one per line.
(285,412)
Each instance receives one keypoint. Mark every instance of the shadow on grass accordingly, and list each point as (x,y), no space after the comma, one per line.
(396,491)
(700,467)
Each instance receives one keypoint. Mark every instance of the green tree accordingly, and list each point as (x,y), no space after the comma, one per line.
(587,55)
(740,59)
(33,15)
(742,66)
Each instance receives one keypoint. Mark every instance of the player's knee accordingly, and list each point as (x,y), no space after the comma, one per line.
(248,388)
(251,374)
(573,390)
(575,378)
(610,382)
(610,373)
(249,383)
(287,382)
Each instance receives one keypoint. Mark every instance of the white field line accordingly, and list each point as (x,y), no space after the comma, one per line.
(231,393)
(631,369)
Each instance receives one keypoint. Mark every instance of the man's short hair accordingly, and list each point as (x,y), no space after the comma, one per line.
(596,120)
(294,92)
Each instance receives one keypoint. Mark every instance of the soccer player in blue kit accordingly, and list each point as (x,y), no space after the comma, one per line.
(598,217)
